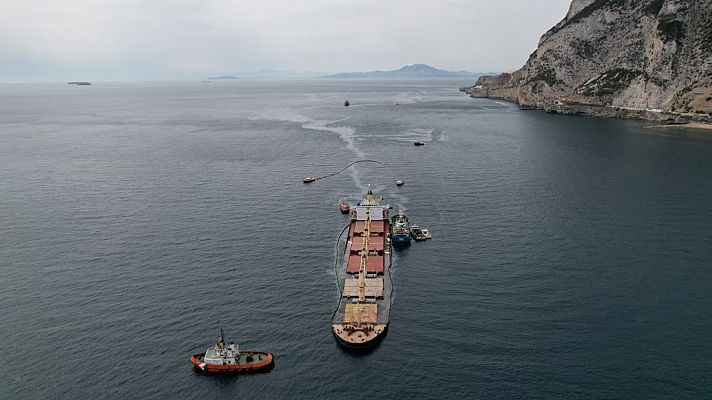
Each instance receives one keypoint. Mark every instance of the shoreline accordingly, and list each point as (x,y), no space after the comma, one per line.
(663,118)
(689,125)
(690,128)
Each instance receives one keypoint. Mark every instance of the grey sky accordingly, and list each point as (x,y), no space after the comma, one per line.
(175,39)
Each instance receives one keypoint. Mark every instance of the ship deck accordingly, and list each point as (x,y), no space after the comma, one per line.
(374,287)
(241,359)
(376,310)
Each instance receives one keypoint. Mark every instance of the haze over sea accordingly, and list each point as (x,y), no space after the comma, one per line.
(571,258)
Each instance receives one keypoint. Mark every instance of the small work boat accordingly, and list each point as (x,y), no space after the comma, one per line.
(227,357)
(427,233)
(416,233)
(400,182)
(418,143)
(346,103)
(309,179)
(344,207)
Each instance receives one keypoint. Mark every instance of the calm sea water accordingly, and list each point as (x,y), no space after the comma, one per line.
(572,257)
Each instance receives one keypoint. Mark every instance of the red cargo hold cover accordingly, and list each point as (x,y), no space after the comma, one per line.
(375,264)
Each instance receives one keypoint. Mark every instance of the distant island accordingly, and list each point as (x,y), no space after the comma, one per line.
(223,77)
(412,71)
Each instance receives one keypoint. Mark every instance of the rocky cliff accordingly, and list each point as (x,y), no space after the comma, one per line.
(640,58)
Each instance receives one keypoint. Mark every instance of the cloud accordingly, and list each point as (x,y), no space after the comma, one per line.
(141,39)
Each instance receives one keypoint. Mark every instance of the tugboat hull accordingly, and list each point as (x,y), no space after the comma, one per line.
(261,362)
(400,240)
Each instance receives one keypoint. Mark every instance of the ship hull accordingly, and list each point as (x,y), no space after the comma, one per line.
(362,315)
(263,365)
(367,345)
(400,240)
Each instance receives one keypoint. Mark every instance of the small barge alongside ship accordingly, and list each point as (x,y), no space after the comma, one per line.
(363,313)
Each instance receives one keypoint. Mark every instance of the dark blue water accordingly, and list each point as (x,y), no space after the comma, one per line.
(572,257)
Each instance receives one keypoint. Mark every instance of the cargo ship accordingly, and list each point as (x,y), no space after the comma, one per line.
(362,315)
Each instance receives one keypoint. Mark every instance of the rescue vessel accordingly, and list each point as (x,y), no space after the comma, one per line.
(363,312)
(401,229)
(227,357)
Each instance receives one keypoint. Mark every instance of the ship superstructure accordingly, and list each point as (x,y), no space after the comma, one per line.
(363,313)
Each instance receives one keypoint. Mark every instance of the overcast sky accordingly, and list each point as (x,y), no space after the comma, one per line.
(190,39)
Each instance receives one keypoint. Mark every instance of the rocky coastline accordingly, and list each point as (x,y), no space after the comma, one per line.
(647,60)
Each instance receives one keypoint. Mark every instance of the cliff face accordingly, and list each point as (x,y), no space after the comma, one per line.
(612,55)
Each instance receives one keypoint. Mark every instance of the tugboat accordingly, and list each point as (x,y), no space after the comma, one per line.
(418,143)
(309,179)
(400,229)
(227,357)
(344,207)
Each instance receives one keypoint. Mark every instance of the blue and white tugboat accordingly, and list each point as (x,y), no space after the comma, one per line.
(400,229)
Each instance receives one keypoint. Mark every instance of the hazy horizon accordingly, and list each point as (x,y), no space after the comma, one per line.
(187,39)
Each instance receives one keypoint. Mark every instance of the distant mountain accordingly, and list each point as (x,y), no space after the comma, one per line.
(223,77)
(412,71)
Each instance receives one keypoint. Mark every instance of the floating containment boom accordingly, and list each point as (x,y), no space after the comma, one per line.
(310,179)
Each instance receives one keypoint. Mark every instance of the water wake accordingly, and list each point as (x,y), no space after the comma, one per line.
(345,132)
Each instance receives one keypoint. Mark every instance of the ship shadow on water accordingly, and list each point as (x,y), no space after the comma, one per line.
(400,247)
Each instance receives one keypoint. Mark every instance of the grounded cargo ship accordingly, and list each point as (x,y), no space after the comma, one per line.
(363,313)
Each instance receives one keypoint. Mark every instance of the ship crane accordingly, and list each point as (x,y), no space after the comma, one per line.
(363,270)
(363,267)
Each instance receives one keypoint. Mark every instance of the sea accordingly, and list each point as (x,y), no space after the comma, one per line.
(571,256)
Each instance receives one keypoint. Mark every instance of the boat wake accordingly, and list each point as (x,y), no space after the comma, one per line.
(345,132)
(408,98)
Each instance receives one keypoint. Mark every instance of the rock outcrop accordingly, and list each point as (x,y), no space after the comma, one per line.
(629,58)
